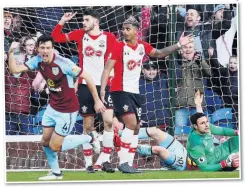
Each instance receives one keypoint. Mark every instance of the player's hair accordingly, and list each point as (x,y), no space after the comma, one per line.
(133,21)
(91,12)
(45,38)
(195,117)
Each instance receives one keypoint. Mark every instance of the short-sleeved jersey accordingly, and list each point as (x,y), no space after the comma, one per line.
(128,65)
(202,150)
(93,50)
(59,76)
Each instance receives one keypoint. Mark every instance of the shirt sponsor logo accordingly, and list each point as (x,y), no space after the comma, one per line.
(132,64)
(50,83)
(89,52)
(55,70)
(51,86)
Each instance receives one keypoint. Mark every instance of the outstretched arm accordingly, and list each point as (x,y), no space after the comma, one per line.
(162,53)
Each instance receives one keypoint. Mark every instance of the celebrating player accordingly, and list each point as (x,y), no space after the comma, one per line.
(201,148)
(60,115)
(94,48)
(127,59)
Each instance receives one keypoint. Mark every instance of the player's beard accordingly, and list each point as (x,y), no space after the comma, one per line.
(90,28)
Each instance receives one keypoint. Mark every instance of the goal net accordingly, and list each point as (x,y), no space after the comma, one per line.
(167,98)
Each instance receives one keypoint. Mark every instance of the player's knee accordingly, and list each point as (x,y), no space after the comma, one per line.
(152,131)
(158,150)
(107,123)
(54,147)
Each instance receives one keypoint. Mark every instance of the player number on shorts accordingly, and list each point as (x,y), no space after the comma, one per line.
(65,127)
(109,99)
(179,161)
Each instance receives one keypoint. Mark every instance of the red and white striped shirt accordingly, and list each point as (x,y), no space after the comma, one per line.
(93,50)
(128,65)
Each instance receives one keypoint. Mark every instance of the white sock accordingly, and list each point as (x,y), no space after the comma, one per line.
(88,153)
(107,148)
(126,140)
(132,149)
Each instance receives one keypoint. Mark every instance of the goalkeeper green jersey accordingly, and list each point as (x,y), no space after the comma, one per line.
(205,154)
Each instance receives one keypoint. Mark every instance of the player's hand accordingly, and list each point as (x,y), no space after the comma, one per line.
(184,40)
(102,96)
(233,160)
(14,45)
(99,106)
(198,98)
(67,17)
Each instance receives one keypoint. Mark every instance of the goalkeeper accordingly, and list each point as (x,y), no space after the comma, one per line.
(200,145)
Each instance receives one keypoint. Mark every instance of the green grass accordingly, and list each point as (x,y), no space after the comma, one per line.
(83,176)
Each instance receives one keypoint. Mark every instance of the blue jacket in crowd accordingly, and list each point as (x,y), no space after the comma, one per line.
(154,101)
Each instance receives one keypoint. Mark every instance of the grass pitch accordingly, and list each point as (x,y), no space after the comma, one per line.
(102,176)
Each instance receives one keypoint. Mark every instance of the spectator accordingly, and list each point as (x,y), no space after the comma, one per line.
(154,97)
(18,92)
(193,72)
(8,21)
(202,31)
(224,43)
(17,29)
(228,77)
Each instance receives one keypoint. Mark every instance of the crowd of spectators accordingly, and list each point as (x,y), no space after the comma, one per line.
(210,64)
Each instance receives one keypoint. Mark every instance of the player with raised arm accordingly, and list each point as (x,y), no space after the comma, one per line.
(200,146)
(94,48)
(60,115)
(127,59)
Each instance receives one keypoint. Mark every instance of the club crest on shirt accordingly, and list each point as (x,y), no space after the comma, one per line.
(55,70)
(125,108)
(141,51)
(102,43)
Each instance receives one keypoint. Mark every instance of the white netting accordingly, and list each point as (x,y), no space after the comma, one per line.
(161,27)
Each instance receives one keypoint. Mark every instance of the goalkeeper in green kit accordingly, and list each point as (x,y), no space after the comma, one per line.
(202,153)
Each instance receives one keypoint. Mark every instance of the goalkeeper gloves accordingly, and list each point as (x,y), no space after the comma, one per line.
(231,161)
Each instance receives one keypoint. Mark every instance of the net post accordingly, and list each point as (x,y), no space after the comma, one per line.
(171,68)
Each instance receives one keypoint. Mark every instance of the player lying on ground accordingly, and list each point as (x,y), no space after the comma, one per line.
(173,154)
(94,47)
(127,58)
(201,148)
(60,115)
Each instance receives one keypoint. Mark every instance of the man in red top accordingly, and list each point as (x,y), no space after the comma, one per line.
(94,48)
(127,59)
